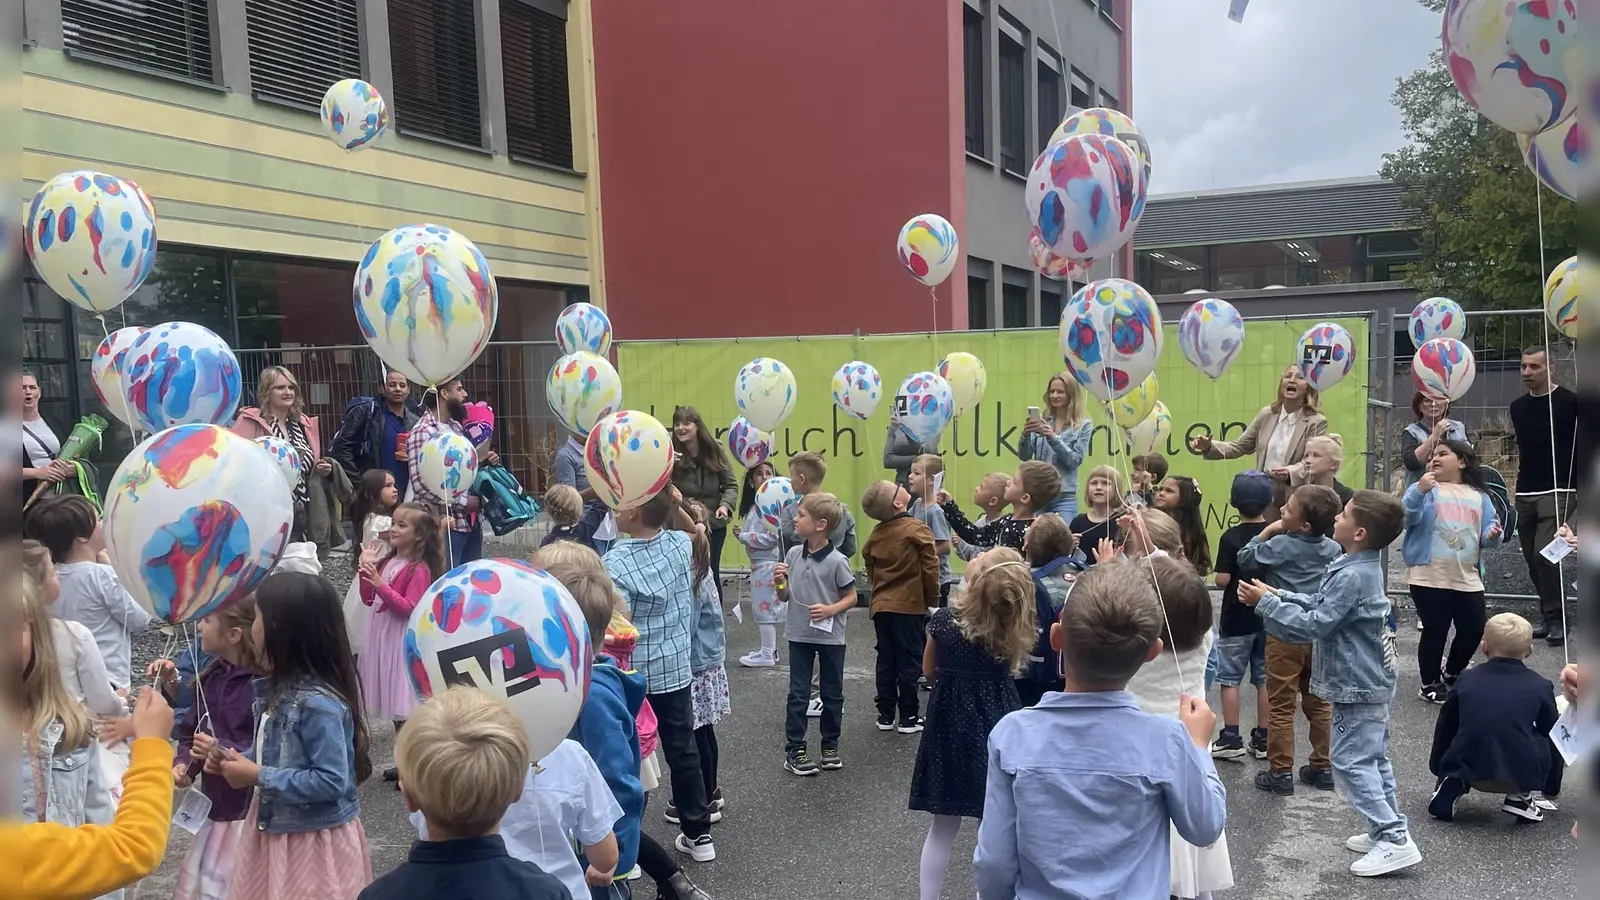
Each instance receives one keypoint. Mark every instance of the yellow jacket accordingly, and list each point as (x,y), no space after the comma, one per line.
(43,861)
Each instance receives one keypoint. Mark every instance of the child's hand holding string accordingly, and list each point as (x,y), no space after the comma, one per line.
(1198,718)
(239,771)
(1105,550)
(1251,592)
(202,746)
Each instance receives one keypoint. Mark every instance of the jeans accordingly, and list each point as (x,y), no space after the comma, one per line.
(1537,521)
(718,537)
(705,739)
(1065,505)
(1239,656)
(1361,769)
(901,639)
(1212,660)
(675,726)
(1438,608)
(829,659)
(1289,675)
(465,547)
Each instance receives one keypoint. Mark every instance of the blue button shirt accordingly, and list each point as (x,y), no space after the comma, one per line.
(393,427)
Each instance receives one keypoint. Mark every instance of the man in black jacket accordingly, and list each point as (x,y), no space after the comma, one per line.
(372,435)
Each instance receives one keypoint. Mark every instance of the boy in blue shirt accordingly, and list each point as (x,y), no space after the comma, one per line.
(1347,620)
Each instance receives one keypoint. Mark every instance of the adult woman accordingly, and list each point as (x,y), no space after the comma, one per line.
(39,442)
(701,471)
(280,415)
(1432,427)
(1277,435)
(900,450)
(1060,437)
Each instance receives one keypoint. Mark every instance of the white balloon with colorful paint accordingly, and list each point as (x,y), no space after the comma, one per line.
(1326,353)
(628,458)
(1150,435)
(1085,195)
(929,248)
(1561,298)
(764,392)
(1110,123)
(92,238)
(1048,263)
(967,379)
(447,465)
(108,371)
(1136,405)
(924,406)
(285,457)
(1444,369)
(180,373)
(354,114)
(775,497)
(1560,157)
(583,388)
(426,302)
(1210,335)
(749,445)
(1437,317)
(584,326)
(1111,337)
(1516,62)
(857,389)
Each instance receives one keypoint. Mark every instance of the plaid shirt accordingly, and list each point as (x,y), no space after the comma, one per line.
(427,428)
(653,573)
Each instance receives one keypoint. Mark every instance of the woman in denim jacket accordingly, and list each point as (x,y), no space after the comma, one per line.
(303,837)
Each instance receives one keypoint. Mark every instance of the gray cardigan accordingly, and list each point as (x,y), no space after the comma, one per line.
(900,450)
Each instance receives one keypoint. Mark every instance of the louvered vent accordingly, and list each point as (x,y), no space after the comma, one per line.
(538,107)
(434,44)
(171,36)
(298,48)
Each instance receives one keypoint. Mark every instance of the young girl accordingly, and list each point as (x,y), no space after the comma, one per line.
(302,837)
(976,647)
(760,541)
(1449,519)
(418,543)
(1144,532)
(1324,457)
(1103,495)
(1179,497)
(1052,551)
(372,511)
(708,691)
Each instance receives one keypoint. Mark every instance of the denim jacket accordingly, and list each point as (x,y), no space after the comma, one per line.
(1347,622)
(308,758)
(1417,547)
(707,643)
(1292,562)
(1065,450)
(76,792)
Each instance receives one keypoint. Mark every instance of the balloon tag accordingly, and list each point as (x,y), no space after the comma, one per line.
(1317,354)
(192,812)
(472,664)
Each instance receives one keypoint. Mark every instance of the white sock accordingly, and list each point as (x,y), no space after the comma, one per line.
(936,853)
(769,639)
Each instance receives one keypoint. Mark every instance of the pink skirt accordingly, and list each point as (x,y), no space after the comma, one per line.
(207,870)
(331,864)
(385,686)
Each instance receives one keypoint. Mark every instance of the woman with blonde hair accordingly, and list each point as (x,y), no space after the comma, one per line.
(1277,435)
(1059,435)
(279,413)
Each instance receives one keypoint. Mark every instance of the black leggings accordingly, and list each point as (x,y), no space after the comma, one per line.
(706,738)
(1439,608)
(718,537)
(656,862)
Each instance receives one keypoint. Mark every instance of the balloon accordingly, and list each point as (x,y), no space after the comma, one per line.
(1085,194)
(1150,436)
(1210,335)
(774,497)
(447,465)
(188,527)
(285,457)
(479,425)
(92,237)
(425,302)
(923,407)
(583,326)
(1561,297)
(354,114)
(929,248)
(513,632)
(1048,263)
(1559,157)
(764,391)
(583,389)
(1437,317)
(1110,123)
(1444,369)
(108,371)
(1136,405)
(180,373)
(967,379)
(1327,354)
(749,445)
(1513,61)
(857,388)
(628,458)
(1111,336)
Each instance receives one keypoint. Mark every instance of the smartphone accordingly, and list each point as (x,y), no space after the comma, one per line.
(1033,412)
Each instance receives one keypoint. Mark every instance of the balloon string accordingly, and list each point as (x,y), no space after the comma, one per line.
(1550,400)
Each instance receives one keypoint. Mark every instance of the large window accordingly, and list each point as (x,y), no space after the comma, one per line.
(1082,95)
(435,47)
(168,36)
(1291,262)
(1051,99)
(1389,255)
(283,303)
(1013,100)
(300,47)
(533,41)
(1108,101)
(1051,300)
(973,59)
(1171,270)
(1014,298)
(979,274)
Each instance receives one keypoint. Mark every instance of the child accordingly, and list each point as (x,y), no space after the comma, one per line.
(1034,489)
(760,541)
(1144,532)
(816,581)
(975,648)
(708,691)
(904,570)
(1054,764)
(1347,619)
(1294,554)
(989,496)
(373,513)
(463,763)
(1449,519)
(926,511)
(807,471)
(1051,549)
(310,752)
(570,518)
(1242,641)
(393,592)
(1179,497)
(1102,494)
(1324,457)
(1149,471)
(77,657)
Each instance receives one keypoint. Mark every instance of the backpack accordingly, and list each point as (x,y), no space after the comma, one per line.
(502,500)
(1495,486)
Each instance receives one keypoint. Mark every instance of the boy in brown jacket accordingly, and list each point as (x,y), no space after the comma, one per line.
(904,571)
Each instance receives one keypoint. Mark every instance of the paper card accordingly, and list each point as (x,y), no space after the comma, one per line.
(738,613)
(823,624)
(1565,736)
(192,812)
(938,483)
(607,530)
(1556,550)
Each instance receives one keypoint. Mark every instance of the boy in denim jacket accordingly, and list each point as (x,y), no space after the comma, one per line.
(1353,668)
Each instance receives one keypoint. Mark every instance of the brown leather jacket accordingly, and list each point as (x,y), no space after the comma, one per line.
(903,567)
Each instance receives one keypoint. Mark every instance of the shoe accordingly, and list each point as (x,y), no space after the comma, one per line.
(925,683)
(1434,693)
(716,803)
(1555,639)
(700,849)
(1419,625)
(1321,779)
(814,708)
(798,762)
(1280,783)
(910,725)
(671,814)
(1541,630)
(830,759)
(1385,858)
(1360,843)
(1258,743)
(1543,802)
(684,889)
(885,723)
(1522,806)
(758,659)
(634,874)
(391,774)
(1446,794)
(1228,745)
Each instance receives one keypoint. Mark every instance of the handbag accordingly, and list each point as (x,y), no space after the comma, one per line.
(502,501)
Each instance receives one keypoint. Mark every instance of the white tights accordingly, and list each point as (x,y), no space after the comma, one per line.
(769,638)
(936,850)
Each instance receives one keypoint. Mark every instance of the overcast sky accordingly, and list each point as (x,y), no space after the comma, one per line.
(1298,91)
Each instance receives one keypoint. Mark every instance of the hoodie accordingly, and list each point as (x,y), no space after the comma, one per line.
(606,729)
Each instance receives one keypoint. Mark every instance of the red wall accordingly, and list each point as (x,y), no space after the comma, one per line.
(757,160)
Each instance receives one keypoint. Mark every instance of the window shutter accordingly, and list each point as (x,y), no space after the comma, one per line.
(170,36)
(435,47)
(299,48)
(1013,107)
(538,106)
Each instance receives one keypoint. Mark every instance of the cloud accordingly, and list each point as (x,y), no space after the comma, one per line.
(1300,90)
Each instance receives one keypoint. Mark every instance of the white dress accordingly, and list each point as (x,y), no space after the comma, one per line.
(358,615)
(1158,688)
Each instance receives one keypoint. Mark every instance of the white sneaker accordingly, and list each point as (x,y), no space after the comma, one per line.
(701,849)
(1543,802)
(758,659)
(1360,843)
(814,708)
(1385,858)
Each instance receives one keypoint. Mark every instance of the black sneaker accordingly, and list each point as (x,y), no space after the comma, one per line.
(910,725)
(1228,745)
(1280,783)
(671,814)
(799,762)
(1542,630)
(1321,779)
(830,759)
(1258,743)
(1434,693)
(1445,795)
(885,723)
(391,774)
(716,802)
(1522,806)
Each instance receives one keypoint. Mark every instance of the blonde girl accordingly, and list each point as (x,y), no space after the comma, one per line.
(1102,494)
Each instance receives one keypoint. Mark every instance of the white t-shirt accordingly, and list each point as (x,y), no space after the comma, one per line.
(83,672)
(92,595)
(40,442)
(1278,444)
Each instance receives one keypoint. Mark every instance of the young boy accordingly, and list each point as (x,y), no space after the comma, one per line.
(1493,733)
(1053,772)
(570,519)
(1149,471)
(807,471)
(1035,488)
(462,759)
(1353,668)
(651,568)
(1242,641)
(816,581)
(989,496)
(1294,553)
(926,511)
(903,567)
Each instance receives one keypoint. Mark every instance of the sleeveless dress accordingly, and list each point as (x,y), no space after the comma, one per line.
(973,692)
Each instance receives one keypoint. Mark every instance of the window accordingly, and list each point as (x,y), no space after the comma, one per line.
(1013,104)
(1390,256)
(1014,292)
(168,36)
(1051,106)
(435,44)
(978,275)
(533,46)
(1050,302)
(1108,101)
(1108,8)
(283,303)
(1171,270)
(973,60)
(1082,95)
(300,47)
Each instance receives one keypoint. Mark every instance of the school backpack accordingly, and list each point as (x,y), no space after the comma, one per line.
(502,500)
(1495,486)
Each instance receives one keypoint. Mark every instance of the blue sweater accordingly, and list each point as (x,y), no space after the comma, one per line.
(1421,513)
(606,729)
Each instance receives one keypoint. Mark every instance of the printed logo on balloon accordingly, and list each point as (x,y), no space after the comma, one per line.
(1327,354)
(924,406)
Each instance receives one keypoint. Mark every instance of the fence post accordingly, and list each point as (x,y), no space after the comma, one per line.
(1382,410)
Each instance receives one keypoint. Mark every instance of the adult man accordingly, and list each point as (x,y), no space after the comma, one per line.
(447,413)
(370,435)
(1546,424)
